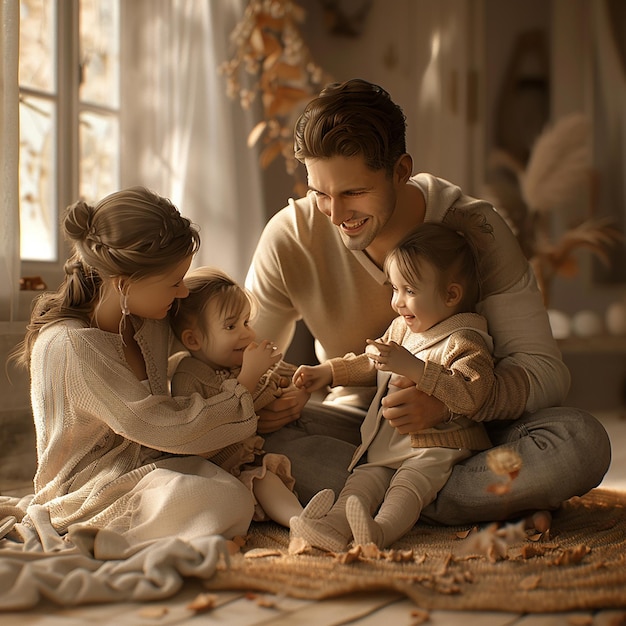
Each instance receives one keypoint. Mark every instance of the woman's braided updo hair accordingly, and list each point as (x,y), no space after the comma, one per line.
(133,232)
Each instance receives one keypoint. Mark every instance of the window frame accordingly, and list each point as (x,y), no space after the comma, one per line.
(66,142)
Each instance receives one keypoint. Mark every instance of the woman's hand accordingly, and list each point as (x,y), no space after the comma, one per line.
(410,410)
(283,410)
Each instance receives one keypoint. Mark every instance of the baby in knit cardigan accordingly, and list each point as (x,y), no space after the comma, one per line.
(225,362)
(440,344)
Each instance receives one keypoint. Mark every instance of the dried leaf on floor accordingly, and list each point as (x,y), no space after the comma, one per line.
(399,556)
(530,582)
(350,556)
(203,602)
(571,556)
(418,616)
(153,612)
(492,542)
(297,545)
(463,534)
(261,553)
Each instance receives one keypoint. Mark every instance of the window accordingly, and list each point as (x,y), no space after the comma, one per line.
(69,75)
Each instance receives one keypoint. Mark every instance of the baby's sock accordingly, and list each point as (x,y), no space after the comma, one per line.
(319,504)
(320,525)
(364,529)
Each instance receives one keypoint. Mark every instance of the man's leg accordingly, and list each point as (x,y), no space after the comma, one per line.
(564,452)
(320,446)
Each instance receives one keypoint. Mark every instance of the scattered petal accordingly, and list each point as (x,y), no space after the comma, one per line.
(504,461)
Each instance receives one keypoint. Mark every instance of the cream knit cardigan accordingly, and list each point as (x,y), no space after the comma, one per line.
(99,429)
(458,370)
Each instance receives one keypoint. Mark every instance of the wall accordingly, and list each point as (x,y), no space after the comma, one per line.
(17,435)
(391,51)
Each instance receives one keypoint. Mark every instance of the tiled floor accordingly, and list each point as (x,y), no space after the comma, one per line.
(237,609)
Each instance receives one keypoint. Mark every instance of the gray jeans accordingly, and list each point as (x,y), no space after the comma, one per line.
(565,452)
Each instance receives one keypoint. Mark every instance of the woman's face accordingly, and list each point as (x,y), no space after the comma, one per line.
(152,297)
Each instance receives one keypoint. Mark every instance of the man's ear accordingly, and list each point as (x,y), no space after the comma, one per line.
(191,339)
(454,294)
(403,168)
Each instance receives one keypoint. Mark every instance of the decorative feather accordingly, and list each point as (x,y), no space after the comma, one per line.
(550,259)
(558,170)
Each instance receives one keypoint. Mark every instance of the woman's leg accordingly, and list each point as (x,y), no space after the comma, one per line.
(185,497)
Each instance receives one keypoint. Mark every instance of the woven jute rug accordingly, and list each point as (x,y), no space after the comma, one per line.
(580,564)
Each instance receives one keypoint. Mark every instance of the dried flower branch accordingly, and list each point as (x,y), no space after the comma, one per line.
(270,51)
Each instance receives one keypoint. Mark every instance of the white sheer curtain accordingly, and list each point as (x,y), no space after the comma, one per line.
(182,136)
(9,145)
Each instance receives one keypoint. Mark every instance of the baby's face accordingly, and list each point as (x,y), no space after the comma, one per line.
(421,304)
(227,338)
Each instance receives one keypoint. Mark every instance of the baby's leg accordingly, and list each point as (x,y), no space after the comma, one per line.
(412,487)
(397,515)
(276,499)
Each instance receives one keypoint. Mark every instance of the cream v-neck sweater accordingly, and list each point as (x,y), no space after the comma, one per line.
(302,270)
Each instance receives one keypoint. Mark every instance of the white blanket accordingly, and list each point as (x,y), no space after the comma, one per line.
(88,565)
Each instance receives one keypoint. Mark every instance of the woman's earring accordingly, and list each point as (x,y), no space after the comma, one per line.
(125,310)
(123,300)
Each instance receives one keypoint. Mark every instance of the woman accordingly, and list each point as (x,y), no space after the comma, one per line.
(115,450)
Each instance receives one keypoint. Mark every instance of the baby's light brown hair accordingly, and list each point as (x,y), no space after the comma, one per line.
(208,286)
(451,247)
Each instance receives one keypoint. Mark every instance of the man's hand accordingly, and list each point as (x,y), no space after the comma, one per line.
(410,410)
(283,410)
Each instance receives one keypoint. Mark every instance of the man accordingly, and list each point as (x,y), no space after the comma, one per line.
(320,260)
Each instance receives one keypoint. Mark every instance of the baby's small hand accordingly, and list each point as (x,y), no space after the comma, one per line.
(313,377)
(261,356)
(390,357)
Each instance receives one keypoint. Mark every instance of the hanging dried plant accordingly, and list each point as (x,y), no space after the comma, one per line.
(557,176)
(272,58)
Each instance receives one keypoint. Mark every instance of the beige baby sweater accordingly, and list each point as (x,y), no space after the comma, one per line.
(458,371)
